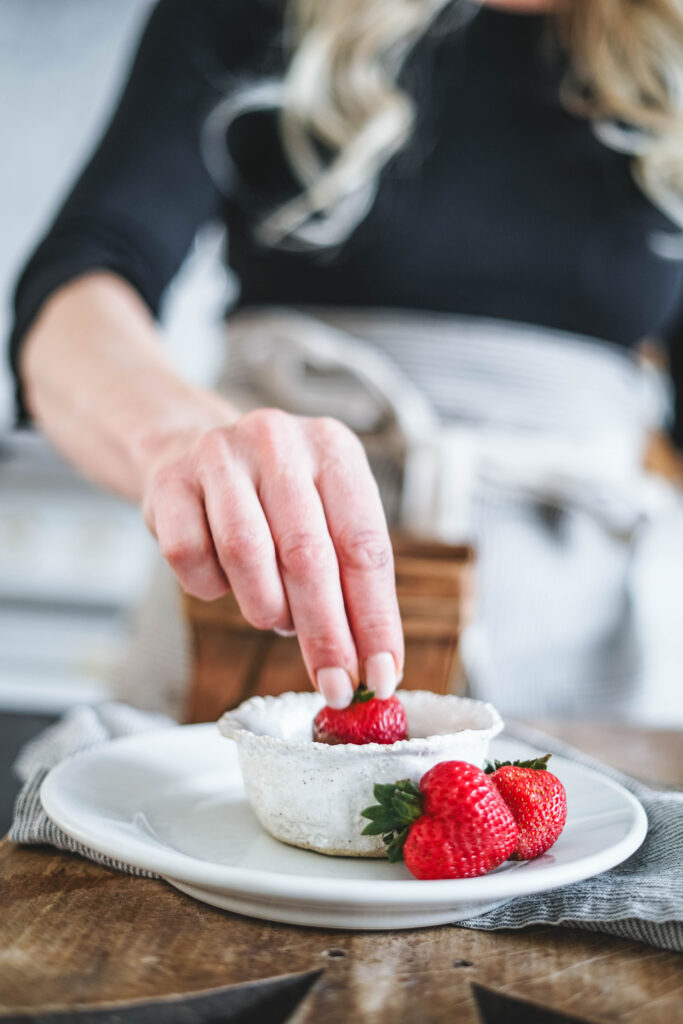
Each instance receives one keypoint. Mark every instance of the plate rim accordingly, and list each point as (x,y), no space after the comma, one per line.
(307,889)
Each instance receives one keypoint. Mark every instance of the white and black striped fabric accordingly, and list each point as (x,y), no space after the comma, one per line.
(79,730)
(641,899)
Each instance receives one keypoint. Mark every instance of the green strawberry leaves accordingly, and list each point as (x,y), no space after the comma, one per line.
(539,763)
(362,694)
(398,805)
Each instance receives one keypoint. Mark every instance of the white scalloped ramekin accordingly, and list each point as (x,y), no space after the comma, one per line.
(312,794)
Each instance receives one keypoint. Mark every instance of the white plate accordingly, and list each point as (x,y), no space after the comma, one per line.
(173,802)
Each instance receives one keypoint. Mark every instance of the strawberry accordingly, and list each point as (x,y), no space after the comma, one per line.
(455,825)
(537,800)
(366,720)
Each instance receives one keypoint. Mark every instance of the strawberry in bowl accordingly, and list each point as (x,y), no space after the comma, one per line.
(365,720)
(311,794)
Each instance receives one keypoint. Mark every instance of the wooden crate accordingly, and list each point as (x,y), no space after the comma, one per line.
(232,661)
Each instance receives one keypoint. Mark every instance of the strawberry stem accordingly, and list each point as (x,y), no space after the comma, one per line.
(539,763)
(398,805)
(362,694)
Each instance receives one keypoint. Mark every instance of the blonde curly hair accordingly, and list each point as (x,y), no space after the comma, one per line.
(340,93)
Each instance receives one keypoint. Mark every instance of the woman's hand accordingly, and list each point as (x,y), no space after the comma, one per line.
(284,511)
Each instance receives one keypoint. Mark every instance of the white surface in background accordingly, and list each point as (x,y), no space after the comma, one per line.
(83,641)
(658,592)
(51,692)
(68,549)
(73,561)
(60,65)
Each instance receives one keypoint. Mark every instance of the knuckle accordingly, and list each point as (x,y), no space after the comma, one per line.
(269,436)
(377,624)
(169,473)
(323,652)
(261,617)
(268,425)
(184,553)
(242,549)
(303,554)
(341,454)
(333,432)
(213,446)
(364,550)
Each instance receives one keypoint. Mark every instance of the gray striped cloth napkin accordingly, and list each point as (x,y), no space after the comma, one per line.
(641,899)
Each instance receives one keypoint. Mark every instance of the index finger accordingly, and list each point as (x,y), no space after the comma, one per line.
(359,532)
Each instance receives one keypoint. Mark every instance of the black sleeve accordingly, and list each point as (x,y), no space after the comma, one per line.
(676,365)
(143,195)
(672,337)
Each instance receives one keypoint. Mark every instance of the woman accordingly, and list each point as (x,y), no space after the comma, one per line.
(517,166)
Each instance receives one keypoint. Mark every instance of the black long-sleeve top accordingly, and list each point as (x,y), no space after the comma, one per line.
(503,204)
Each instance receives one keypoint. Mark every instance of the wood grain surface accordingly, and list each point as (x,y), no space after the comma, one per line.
(75,934)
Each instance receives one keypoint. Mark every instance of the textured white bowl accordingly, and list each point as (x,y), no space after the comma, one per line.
(312,794)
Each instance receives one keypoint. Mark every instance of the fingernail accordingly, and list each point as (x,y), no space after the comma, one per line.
(380,674)
(336,686)
(284,632)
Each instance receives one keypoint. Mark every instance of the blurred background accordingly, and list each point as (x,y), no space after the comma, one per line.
(74,562)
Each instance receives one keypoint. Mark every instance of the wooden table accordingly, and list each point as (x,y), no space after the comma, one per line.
(74,934)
